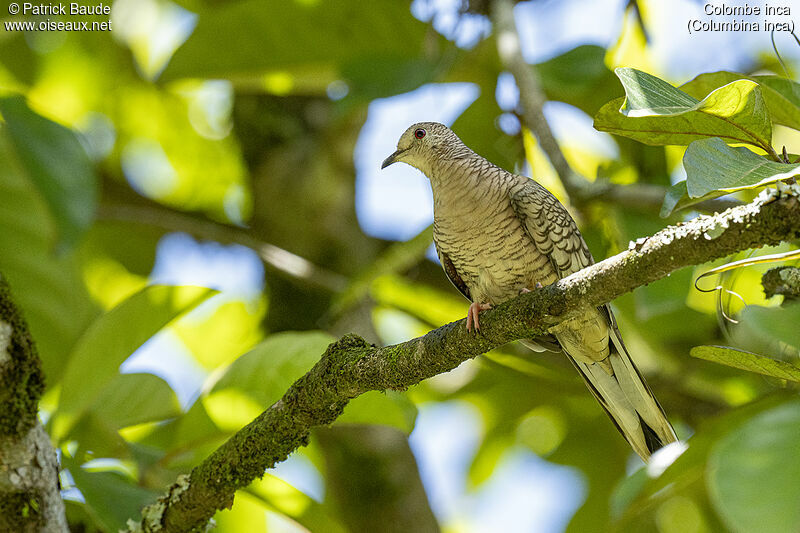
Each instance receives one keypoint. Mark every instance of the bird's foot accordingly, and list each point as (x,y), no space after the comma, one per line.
(472,314)
(525,290)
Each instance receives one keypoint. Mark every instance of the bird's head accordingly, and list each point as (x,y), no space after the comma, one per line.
(423,143)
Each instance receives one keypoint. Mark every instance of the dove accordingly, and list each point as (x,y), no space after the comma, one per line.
(498,235)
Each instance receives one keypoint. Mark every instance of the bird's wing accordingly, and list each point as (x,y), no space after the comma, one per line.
(452,274)
(551,228)
(615,381)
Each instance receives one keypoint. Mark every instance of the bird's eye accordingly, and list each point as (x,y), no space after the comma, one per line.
(419,134)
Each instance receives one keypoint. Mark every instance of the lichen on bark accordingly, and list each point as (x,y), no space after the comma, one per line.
(21,376)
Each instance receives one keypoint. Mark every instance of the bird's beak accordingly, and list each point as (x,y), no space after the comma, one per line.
(391,159)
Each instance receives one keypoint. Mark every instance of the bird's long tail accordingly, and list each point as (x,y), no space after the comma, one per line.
(626,398)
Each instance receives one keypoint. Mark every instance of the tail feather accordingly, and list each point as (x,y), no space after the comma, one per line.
(626,398)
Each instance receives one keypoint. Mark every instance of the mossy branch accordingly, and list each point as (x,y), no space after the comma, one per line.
(29,493)
(350,366)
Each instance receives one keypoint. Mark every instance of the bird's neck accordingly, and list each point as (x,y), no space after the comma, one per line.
(462,185)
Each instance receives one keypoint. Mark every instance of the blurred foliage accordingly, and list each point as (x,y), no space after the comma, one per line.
(245,134)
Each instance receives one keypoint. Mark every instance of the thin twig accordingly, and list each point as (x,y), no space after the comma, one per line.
(273,256)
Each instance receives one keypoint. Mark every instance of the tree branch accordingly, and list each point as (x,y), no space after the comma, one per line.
(29,493)
(532,100)
(782,280)
(350,366)
(272,256)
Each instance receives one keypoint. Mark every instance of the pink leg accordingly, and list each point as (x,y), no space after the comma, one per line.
(525,290)
(472,315)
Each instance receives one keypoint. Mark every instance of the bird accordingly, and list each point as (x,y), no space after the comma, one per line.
(498,235)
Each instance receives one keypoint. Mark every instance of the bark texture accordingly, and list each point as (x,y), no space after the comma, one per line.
(30,499)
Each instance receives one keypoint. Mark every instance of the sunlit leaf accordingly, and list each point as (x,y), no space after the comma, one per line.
(283,498)
(711,165)
(440,307)
(266,372)
(781,95)
(113,337)
(389,408)
(752,473)
(55,161)
(249,514)
(747,361)
(654,112)
(233,328)
(136,398)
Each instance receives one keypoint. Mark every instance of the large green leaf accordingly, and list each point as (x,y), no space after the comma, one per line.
(781,95)
(48,287)
(134,399)
(752,473)
(373,47)
(113,337)
(655,112)
(711,165)
(747,361)
(265,372)
(54,160)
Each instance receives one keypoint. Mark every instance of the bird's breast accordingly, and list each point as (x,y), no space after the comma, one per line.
(491,251)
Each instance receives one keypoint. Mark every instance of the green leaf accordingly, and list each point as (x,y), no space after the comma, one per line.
(711,165)
(248,514)
(678,198)
(752,473)
(687,475)
(654,112)
(781,95)
(48,288)
(111,498)
(389,408)
(774,323)
(580,78)
(266,371)
(279,496)
(747,361)
(112,338)
(134,399)
(54,160)
(256,42)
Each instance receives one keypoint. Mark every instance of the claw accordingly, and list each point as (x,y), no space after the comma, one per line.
(472,315)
